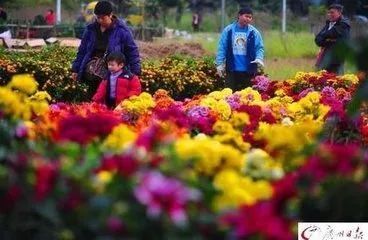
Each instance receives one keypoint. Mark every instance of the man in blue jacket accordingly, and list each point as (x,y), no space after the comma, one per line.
(240,51)
(107,34)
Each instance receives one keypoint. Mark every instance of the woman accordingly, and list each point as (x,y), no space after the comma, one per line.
(106,34)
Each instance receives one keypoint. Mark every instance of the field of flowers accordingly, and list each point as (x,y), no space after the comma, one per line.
(180,76)
(222,165)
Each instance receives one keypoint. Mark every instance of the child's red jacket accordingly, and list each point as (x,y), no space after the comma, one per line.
(127,85)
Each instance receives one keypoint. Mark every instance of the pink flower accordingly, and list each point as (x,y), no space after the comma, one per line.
(21,131)
(165,195)
(261,219)
(149,137)
(115,225)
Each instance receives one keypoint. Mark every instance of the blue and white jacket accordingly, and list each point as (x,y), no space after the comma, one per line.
(254,48)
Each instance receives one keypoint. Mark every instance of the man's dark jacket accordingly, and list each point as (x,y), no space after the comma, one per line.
(120,40)
(328,40)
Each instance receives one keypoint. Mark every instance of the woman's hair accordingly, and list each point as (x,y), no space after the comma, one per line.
(103,8)
(117,57)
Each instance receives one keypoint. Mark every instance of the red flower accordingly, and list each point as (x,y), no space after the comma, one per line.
(83,129)
(331,160)
(285,188)
(126,165)
(261,219)
(10,198)
(46,175)
(73,200)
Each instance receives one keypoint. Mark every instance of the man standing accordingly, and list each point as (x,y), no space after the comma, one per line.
(336,30)
(4,30)
(240,51)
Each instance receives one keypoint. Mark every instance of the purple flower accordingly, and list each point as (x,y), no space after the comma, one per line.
(305,92)
(328,92)
(162,194)
(234,101)
(261,83)
(21,131)
(198,112)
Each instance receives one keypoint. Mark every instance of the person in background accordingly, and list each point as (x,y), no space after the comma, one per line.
(119,84)
(50,17)
(106,34)
(240,52)
(195,22)
(336,30)
(4,30)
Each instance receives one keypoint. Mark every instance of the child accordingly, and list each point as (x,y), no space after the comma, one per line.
(120,84)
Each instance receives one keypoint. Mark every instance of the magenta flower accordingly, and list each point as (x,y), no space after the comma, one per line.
(174,113)
(198,112)
(304,93)
(234,101)
(328,92)
(261,83)
(332,159)
(261,219)
(21,131)
(201,118)
(161,194)
(115,225)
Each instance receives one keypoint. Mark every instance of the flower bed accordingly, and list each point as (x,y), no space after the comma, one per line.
(181,76)
(223,165)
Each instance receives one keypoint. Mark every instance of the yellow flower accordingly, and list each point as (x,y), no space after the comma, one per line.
(222,127)
(219,106)
(288,141)
(40,96)
(208,155)
(137,104)
(249,95)
(218,95)
(280,93)
(10,102)
(120,138)
(101,180)
(260,165)
(104,177)
(24,83)
(239,119)
(351,78)
(236,190)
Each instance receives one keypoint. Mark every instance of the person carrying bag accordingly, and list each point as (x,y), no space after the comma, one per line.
(105,35)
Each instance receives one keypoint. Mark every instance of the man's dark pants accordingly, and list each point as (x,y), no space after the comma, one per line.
(238,80)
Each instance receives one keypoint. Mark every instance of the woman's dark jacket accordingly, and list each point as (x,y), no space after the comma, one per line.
(120,40)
